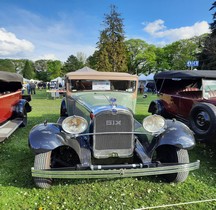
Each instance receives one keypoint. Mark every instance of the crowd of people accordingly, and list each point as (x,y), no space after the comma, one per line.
(31,87)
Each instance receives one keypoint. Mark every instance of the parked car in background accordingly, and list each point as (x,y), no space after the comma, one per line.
(189,96)
(97,135)
(13,105)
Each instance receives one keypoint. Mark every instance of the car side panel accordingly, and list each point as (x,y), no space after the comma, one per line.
(70,105)
(185,105)
(8,101)
(170,104)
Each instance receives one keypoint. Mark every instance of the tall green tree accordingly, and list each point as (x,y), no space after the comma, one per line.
(72,64)
(213,24)
(161,61)
(54,68)
(92,60)
(150,59)
(207,57)
(136,49)
(7,65)
(28,70)
(18,64)
(42,75)
(178,53)
(112,54)
(40,65)
(141,56)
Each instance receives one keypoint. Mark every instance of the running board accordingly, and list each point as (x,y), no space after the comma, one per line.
(8,128)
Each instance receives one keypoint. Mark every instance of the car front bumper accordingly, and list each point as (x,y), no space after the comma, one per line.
(113,173)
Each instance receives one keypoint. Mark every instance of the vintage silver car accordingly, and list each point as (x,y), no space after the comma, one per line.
(97,135)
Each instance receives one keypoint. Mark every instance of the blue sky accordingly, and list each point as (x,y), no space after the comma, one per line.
(54,29)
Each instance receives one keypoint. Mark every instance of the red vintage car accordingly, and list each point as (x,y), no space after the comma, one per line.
(13,105)
(189,96)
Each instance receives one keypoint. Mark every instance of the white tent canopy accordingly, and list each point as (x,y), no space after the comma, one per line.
(150,77)
(142,77)
(58,80)
(26,80)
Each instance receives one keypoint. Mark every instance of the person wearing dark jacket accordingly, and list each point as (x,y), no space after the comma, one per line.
(33,87)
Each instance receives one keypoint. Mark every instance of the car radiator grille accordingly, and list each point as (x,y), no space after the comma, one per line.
(117,144)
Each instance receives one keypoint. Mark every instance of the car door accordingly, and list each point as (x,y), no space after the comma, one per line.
(185,105)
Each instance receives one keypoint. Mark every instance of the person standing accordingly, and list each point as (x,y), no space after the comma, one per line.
(28,88)
(141,88)
(33,87)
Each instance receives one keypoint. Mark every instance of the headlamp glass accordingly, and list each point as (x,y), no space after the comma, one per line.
(154,124)
(74,124)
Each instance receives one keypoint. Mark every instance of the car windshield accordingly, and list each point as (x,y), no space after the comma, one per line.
(209,88)
(94,99)
(103,85)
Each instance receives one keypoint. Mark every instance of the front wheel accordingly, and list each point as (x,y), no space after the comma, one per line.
(43,161)
(171,154)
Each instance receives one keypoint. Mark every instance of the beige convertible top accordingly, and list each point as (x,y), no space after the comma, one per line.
(88,73)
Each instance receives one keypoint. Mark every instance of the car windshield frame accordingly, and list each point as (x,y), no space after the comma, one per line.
(102,85)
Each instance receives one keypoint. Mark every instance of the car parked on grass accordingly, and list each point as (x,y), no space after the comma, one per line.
(97,135)
(189,96)
(13,105)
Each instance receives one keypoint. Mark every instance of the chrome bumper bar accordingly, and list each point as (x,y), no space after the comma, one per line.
(113,173)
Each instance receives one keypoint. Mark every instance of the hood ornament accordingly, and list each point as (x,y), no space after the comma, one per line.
(113,104)
(112,101)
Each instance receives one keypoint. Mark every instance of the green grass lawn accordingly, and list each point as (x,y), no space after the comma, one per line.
(17,189)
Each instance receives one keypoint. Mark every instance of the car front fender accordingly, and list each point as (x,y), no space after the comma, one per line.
(157,107)
(20,107)
(45,137)
(177,134)
(63,111)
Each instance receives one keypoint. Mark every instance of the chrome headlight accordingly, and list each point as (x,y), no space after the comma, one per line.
(74,124)
(154,124)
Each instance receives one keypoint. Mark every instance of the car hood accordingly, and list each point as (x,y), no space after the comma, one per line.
(98,100)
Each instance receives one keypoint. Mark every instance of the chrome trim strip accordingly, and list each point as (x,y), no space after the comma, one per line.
(105,133)
(114,173)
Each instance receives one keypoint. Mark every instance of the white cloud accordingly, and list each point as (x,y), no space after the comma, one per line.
(54,38)
(11,45)
(157,29)
(155,26)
